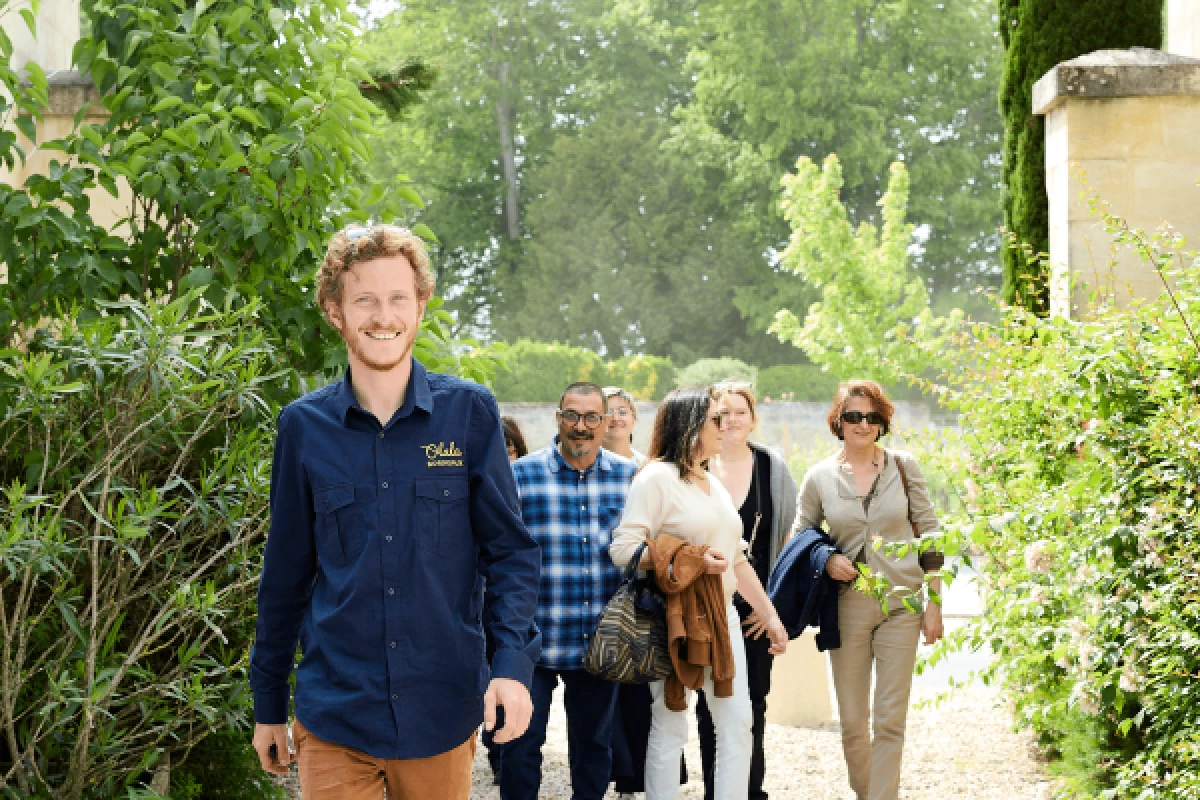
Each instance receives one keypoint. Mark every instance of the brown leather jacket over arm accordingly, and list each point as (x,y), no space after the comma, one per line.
(697,625)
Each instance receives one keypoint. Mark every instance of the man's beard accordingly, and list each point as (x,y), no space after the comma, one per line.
(355,346)
(577,446)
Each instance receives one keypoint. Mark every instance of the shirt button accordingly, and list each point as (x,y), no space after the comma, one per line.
(381,434)
(384,484)
(586,603)
(395,697)
(391,591)
(445,492)
(585,508)
(388,538)
(393,645)
(585,572)
(585,540)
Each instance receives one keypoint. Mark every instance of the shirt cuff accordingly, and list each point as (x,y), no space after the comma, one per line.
(271,708)
(514,665)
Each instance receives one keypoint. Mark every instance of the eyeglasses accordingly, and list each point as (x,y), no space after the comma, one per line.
(732,385)
(591,420)
(855,417)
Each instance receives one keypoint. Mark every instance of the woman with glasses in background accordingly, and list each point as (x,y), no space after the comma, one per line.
(622,417)
(676,495)
(870,497)
(762,488)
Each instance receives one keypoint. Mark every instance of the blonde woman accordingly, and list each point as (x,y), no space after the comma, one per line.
(622,417)
(762,488)
(865,495)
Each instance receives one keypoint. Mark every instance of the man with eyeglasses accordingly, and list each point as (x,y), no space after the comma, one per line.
(572,496)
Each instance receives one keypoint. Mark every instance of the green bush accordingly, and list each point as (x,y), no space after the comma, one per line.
(799,383)
(537,372)
(1081,477)
(135,454)
(223,766)
(708,371)
(645,377)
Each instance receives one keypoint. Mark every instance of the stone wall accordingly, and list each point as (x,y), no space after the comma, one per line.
(1123,126)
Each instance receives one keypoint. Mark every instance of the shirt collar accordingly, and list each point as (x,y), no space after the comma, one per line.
(418,395)
(557,462)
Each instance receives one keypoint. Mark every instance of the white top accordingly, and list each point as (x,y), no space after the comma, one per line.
(660,501)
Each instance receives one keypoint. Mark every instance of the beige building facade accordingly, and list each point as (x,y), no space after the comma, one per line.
(1123,128)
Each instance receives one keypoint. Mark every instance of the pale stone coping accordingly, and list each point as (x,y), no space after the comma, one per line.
(1137,72)
(71,90)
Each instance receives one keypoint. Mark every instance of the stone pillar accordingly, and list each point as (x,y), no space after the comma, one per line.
(1183,28)
(1123,125)
(57,33)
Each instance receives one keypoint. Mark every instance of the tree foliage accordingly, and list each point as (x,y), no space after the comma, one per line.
(1037,35)
(649,140)
(870,298)
(236,142)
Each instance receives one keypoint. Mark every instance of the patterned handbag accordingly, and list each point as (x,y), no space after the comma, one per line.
(629,644)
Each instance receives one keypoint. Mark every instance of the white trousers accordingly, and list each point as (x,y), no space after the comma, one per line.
(732,717)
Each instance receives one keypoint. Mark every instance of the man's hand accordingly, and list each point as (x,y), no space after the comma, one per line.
(841,568)
(715,562)
(518,708)
(264,737)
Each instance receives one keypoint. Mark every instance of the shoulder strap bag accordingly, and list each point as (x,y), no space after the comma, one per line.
(907,499)
(629,644)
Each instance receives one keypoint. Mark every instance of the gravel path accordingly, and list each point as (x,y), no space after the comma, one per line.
(964,748)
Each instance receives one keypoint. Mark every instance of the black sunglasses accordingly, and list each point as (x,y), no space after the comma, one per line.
(855,417)
(591,420)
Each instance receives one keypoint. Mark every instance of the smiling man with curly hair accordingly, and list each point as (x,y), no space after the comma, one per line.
(392,502)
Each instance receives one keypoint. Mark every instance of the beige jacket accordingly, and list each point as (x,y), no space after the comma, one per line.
(828,495)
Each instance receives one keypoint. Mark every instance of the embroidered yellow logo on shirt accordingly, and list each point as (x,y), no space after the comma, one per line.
(442,455)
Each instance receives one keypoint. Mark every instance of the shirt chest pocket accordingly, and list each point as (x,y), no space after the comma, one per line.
(344,519)
(442,518)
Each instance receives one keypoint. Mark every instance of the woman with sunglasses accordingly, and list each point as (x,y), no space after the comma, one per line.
(869,497)
(622,416)
(762,488)
(675,494)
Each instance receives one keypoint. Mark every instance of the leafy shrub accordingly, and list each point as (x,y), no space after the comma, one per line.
(800,383)
(537,372)
(1081,475)
(223,766)
(135,453)
(645,377)
(708,371)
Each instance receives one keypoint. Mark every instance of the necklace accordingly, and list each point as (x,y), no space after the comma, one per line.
(874,458)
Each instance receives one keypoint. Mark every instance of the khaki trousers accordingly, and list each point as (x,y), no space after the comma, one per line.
(332,772)
(889,643)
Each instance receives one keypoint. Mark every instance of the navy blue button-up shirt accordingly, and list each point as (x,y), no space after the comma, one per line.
(381,539)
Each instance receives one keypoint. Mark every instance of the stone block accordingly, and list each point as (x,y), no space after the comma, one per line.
(1165,191)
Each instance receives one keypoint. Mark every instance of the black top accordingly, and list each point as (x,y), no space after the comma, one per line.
(760,554)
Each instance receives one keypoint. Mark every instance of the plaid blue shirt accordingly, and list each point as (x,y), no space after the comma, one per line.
(571,515)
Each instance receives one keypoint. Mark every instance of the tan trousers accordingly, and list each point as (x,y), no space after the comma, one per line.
(332,772)
(890,644)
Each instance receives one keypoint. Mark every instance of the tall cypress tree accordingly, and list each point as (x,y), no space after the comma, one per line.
(1037,35)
